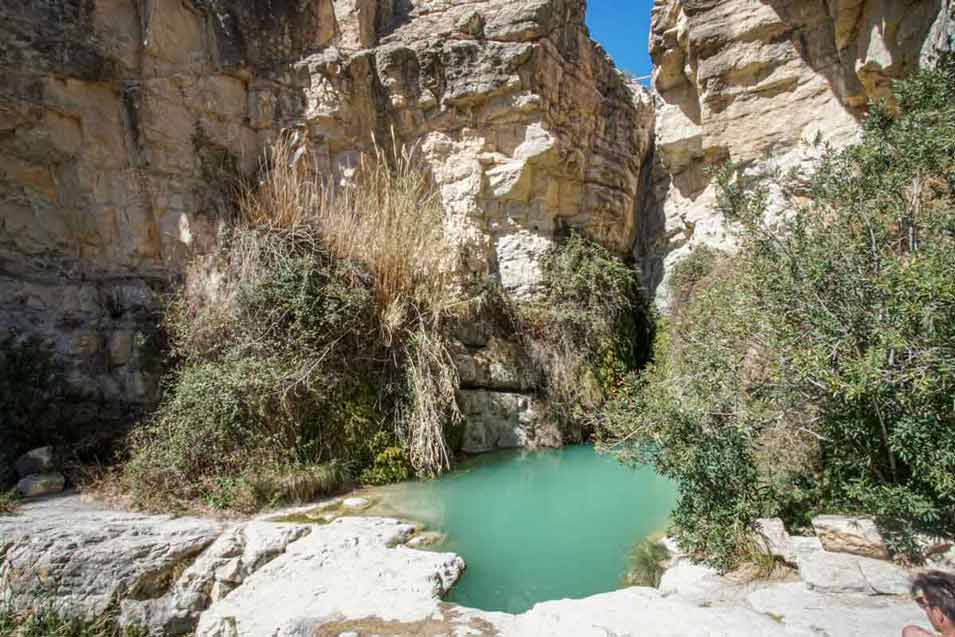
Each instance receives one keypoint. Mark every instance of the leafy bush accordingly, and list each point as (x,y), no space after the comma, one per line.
(590,329)
(313,334)
(814,369)
(390,463)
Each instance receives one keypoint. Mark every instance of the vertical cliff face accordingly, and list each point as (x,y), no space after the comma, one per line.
(759,81)
(124,123)
(524,121)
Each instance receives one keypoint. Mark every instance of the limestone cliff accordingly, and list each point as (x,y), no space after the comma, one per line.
(760,81)
(123,124)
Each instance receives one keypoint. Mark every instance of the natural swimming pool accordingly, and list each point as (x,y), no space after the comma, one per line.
(537,526)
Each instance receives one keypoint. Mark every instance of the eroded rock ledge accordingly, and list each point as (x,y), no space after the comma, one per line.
(357,575)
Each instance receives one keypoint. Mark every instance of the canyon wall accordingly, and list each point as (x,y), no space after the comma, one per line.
(764,83)
(124,125)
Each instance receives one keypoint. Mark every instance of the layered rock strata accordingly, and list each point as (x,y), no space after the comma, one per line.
(124,124)
(764,83)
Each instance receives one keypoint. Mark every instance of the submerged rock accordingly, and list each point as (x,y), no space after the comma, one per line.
(356,503)
(427,538)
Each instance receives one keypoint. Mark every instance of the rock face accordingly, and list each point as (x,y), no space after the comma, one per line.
(35,461)
(124,123)
(358,576)
(858,536)
(81,558)
(757,82)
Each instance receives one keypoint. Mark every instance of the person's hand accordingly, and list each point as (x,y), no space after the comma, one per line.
(915,631)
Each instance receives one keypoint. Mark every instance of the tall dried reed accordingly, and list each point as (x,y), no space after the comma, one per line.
(388,216)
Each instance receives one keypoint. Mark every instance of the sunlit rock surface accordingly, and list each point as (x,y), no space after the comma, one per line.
(764,83)
(253,578)
(124,123)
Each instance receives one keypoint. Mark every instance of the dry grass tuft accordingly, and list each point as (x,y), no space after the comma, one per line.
(389,218)
(433,382)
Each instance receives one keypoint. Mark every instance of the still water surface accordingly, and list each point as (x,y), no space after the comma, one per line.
(538,526)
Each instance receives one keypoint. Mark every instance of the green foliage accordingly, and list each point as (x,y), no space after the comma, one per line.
(9,501)
(48,622)
(647,563)
(590,329)
(277,372)
(814,370)
(390,462)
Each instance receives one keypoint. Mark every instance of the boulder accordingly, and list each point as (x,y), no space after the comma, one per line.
(691,582)
(81,559)
(843,573)
(41,484)
(41,460)
(802,611)
(350,568)
(776,539)
(858,536)
(220,569)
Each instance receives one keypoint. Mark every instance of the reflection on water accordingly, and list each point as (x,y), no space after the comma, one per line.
(536,526)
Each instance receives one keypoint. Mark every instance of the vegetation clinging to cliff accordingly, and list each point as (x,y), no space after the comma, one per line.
(814,370)
(310,344)
(591,328)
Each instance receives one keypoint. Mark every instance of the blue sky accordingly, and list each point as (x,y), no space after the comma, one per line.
(623,28)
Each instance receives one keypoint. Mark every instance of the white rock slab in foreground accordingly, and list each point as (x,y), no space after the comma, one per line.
(355,576)
(77,557)
(348,568)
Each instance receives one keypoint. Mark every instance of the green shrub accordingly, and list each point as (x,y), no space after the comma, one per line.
(315,328)
(813,371)
(647,563)
(9,502)
(390,465)
(590,329)
(48,622)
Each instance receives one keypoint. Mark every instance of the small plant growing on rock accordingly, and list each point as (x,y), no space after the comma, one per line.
(9,502)
(647,563)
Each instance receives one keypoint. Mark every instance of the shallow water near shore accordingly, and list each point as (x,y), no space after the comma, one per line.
(537,526)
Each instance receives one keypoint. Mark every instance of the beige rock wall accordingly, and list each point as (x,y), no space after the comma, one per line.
(123,124)
(756,81)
